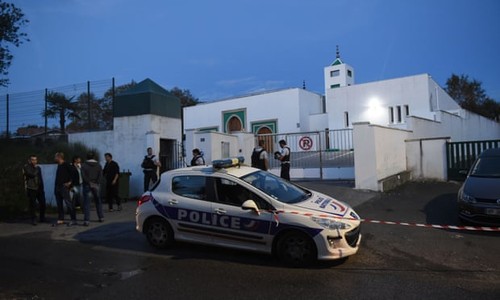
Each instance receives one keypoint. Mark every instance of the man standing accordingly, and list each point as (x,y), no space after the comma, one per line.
(150,166)
(62,188)
(111,174)
(198,159)
(77,181)
(34,188)
(284,157)
(92,177)
(259,157)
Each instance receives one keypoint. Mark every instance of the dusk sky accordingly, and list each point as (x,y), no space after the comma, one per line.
(222,48)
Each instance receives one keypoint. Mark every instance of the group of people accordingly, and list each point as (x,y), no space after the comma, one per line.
(260,158)
(73,182)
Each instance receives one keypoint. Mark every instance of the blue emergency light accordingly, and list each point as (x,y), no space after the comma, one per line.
(228,162)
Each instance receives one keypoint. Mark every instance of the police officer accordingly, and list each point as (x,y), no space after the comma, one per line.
(284,157)
(150,166)
(198,159)
(259,157)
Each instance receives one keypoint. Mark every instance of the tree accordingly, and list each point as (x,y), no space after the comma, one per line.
(61,107)
(470,95)
(11,21)
(187,99)
(97,113)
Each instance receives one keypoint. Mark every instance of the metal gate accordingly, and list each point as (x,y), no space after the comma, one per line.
(317,154)
(461,155)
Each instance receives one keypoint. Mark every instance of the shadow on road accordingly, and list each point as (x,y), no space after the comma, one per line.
(123,236)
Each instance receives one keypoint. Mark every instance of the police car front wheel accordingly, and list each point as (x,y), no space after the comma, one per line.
(159,233)
(296,249)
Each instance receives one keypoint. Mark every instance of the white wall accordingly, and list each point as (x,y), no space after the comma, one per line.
(318,122)
(379,152)
(470,127)
(211,145)
(370,102)
(128,141)
(283,106)
(426,158)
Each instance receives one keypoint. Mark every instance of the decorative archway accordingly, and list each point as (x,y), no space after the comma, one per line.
(234,124)
(268,139)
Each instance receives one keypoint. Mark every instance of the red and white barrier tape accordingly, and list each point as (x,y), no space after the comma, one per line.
(471,228)
(435,226)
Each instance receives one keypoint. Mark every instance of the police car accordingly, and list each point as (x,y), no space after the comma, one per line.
(232,205)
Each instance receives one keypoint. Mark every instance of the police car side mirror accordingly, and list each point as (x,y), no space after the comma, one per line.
(250,205)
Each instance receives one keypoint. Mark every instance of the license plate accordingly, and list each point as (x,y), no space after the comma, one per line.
(493,211)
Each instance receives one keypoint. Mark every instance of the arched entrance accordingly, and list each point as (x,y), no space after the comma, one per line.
(234,124)
(268,140)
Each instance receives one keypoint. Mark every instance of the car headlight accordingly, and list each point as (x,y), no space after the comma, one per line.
(330,223)
(466,198)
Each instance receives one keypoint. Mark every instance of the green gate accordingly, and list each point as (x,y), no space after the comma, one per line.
(461,155)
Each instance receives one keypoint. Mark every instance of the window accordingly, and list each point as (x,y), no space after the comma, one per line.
(190,187)
(398,111)
(349,73)
(334,73)
(279,189)
(391,115)
(231,193)
(346,119)
(407,110)
(334,86)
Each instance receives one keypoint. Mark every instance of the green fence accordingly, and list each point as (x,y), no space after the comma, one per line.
(461,155)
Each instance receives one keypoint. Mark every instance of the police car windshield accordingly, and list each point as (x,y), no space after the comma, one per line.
(276,187)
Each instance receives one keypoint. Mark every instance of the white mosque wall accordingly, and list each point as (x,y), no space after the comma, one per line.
(290,108)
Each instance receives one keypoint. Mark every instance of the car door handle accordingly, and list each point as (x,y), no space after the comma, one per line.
(173,202)
(220,211)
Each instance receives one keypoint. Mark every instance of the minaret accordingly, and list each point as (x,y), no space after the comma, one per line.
(338,74)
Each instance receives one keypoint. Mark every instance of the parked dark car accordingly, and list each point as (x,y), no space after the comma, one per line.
(479,196)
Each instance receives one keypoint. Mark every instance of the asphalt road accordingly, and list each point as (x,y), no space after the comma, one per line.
(110,260)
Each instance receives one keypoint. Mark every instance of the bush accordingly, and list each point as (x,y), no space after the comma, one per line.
(15,154)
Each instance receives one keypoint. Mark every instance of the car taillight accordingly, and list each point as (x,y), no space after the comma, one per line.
(144,199)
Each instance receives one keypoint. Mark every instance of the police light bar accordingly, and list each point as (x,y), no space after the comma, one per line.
(228,162)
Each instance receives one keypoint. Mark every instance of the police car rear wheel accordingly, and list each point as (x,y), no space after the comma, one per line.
(296,249)
(159,233)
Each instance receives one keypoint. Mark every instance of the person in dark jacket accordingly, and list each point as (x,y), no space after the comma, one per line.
(198,159)
(77,180)
(260,158)
(284,157)
(92,177)
(150,165)
(111,174)
(34,188)
(63,184)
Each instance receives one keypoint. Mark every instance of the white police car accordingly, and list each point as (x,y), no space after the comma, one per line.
(232,205)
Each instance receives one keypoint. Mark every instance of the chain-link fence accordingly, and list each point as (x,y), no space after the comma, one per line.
(86,106)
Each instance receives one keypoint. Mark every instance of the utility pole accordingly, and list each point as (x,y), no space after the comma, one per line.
(88,106)
(7,132)
(45,113)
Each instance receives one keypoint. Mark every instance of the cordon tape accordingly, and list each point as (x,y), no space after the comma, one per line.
(435,226)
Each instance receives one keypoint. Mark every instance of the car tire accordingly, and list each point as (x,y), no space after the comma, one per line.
(159,233)
(296,249)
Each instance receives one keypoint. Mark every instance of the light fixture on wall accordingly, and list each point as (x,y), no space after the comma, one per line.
(375,109)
